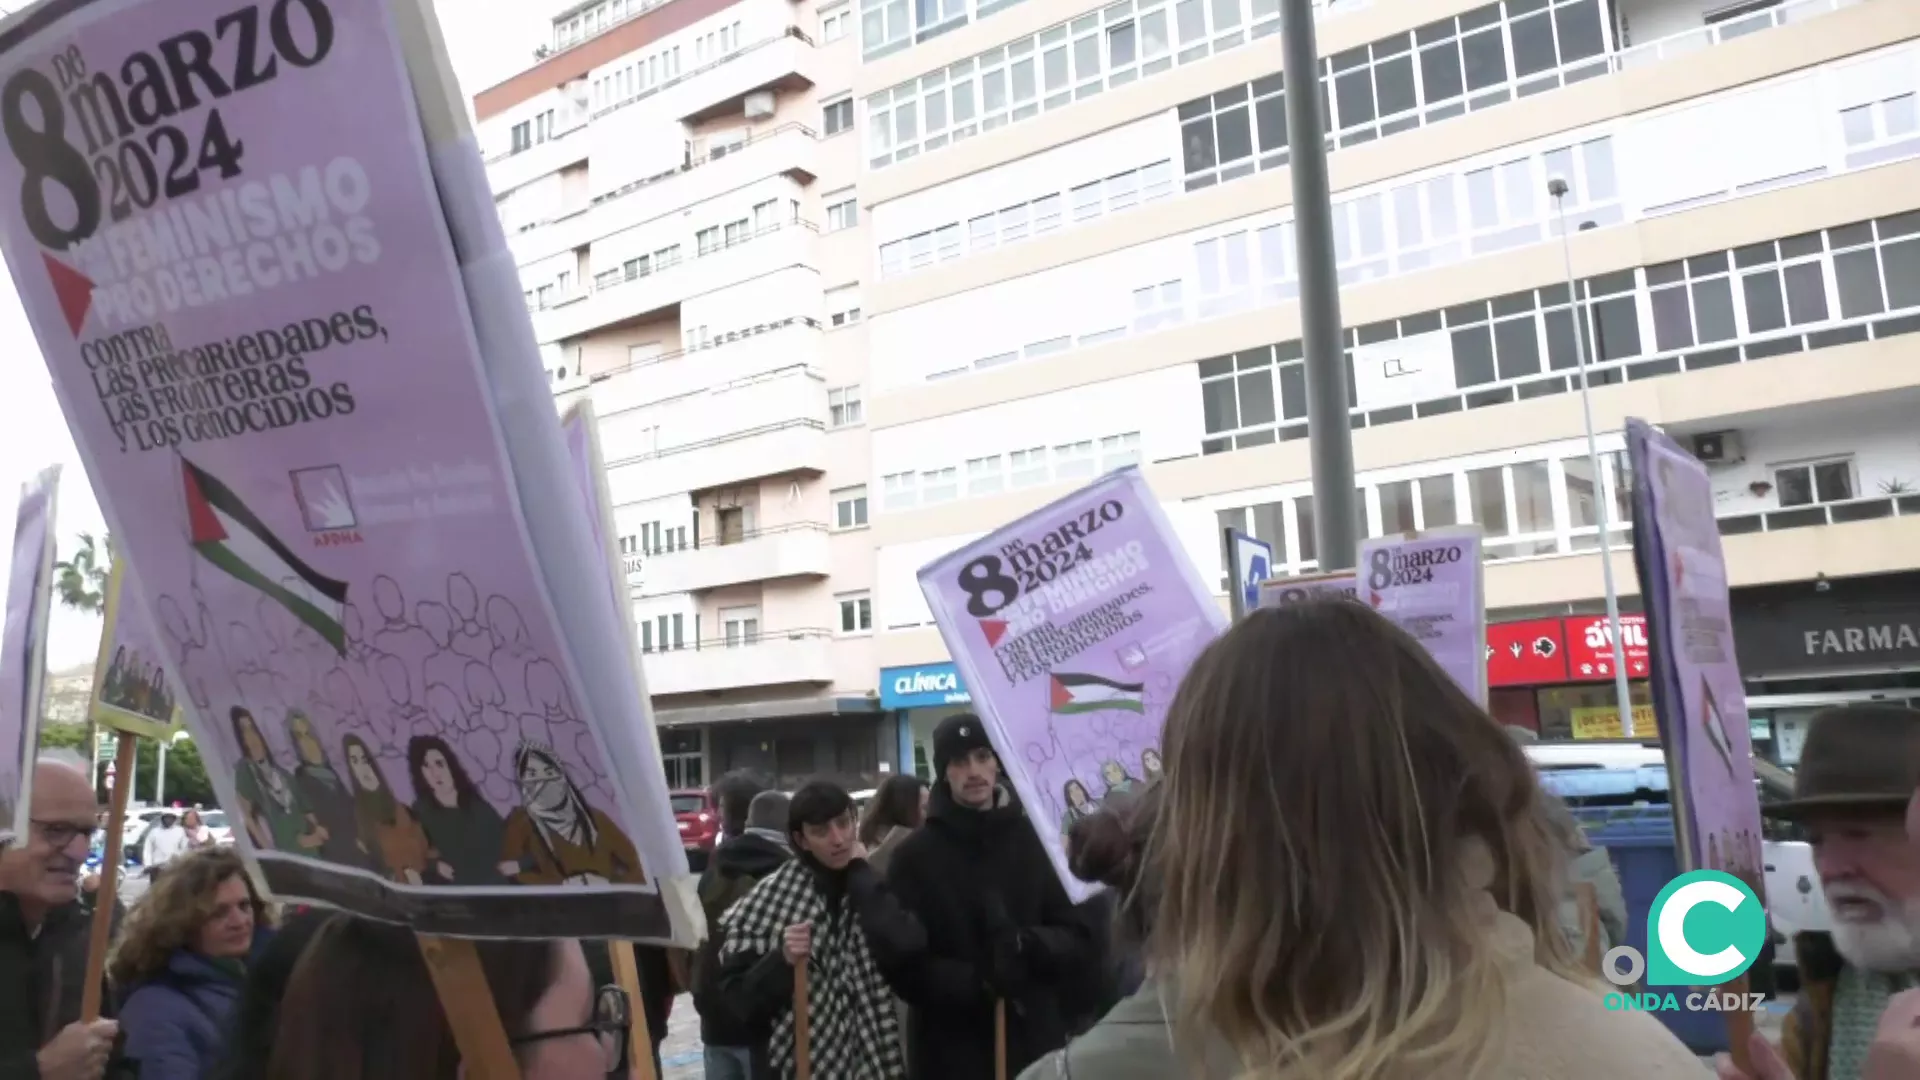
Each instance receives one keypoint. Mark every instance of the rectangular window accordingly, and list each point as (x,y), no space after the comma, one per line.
(1119,451)
(899,491)
(837,116)
(834,22)
(843,406)
(740,626)
(707,241)
(1075,461)
(939,485)
(843,305)
(850,507)
(1815,482)
(844,214)
(984,476)
(1029,467)
(856,613)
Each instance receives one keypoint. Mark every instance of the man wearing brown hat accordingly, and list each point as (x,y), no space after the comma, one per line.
(1851,790)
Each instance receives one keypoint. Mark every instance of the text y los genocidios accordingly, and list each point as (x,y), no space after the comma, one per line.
(100,147)
(156,395)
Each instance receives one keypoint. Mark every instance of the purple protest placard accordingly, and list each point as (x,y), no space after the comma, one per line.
(1072,628)
(1699,700)
(1279,592)
(259,335)
(1432,586)
(130,687)
(23,648)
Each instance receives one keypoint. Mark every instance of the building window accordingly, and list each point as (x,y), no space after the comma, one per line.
(1119,451)
(898,491)
(850,507)
(681,757)
(843,305)
(1029,467)
(984,476)
(844,214)
(856,613)
(1074,461)
(707,241)
(837,116)
(843,407)
(940,485)
(834,22)
(739,626)
(1814,482)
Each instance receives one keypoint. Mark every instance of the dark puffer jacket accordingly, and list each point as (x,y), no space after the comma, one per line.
(973,878)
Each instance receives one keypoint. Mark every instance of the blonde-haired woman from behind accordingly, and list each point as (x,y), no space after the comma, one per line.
(1354,878)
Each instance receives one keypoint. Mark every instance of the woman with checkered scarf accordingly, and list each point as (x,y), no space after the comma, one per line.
(829,910)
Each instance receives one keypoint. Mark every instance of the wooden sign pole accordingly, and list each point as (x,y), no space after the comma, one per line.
(485,1053)
(802,1024)
(626,972)
(106,897)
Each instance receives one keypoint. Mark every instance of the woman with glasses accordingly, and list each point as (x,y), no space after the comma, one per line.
(370,979)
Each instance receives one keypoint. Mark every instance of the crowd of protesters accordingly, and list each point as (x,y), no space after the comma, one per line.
(1347,871)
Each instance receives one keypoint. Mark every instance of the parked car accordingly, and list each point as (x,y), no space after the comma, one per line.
(216,823)
(699,820)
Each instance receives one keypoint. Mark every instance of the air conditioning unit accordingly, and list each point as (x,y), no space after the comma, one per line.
(759,105)
(1719,448)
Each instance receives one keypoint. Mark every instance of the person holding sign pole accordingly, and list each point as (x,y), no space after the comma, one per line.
(828,912)
(1001,932)
(44,931)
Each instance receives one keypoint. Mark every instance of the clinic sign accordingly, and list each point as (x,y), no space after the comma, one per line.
(922,686)
(1704,930)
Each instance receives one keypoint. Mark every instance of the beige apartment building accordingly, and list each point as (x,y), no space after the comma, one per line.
(853,285)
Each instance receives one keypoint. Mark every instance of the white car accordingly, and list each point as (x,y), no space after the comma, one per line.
(216,823)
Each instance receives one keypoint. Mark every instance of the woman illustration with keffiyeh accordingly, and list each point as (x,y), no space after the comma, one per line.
(553,837)
(269,803)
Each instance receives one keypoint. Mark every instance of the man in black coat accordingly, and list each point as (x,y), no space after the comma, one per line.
(999,925)
(44,930)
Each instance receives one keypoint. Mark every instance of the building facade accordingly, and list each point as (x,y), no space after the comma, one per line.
(1073,251)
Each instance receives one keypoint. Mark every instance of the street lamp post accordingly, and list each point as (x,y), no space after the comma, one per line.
(1557,187)
(1329,419)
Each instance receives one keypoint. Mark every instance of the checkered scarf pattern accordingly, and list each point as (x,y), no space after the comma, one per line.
(855,1029)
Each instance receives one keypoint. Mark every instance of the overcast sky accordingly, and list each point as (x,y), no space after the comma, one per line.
(489,39)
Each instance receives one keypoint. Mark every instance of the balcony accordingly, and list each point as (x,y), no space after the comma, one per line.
(786,63)
(789,150)
(564,146)
(782,551)
(1700,38)
(767,659)
(787,447)
(586,310)
(732,357)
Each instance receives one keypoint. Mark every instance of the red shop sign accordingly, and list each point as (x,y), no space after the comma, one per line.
(1529,652)
(1590,647)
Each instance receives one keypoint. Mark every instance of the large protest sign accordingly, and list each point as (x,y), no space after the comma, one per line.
(1072,628)
(23,648)
(1699,700)
(130,687)
(582,427)
(1432,585)
(260,336)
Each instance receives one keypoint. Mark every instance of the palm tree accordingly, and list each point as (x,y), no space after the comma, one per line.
(82,579)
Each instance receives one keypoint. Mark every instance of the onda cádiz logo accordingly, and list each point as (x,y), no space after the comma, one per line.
(1705,929)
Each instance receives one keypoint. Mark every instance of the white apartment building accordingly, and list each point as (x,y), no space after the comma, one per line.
(1073,250)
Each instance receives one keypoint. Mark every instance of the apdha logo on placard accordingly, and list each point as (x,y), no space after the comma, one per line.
(1705,929)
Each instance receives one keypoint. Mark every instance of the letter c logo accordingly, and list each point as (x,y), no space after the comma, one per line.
(1733,921)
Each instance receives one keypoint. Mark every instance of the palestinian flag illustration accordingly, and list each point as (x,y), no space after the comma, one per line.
(230,536)
(1089,693)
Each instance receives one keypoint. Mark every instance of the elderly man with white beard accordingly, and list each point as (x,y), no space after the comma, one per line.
(1851,792)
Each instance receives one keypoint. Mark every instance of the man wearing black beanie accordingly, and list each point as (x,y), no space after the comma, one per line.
(999,925)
